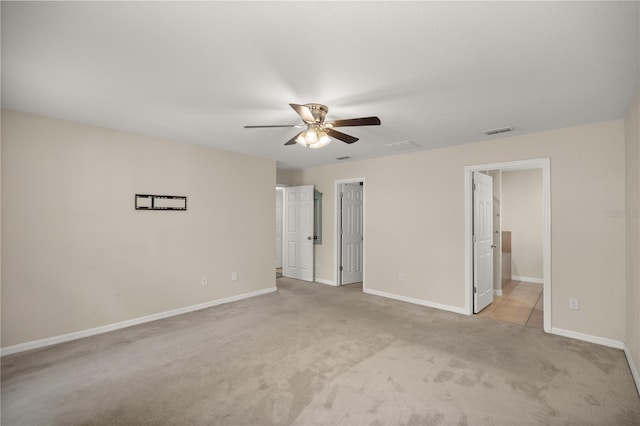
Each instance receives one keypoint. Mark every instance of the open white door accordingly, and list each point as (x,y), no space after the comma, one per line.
(482,241)
(352,233)
(298,233)
(279,221)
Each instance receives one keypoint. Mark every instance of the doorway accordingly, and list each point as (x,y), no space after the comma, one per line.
(470,277)
(516,248)
(349,238)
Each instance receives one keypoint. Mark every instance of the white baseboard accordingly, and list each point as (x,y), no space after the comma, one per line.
(327,282)
(34,344)
(527,279)
(588,338)
(634,369)
(417,301)
(497,292)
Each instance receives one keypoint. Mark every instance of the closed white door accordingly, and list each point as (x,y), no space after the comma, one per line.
(298,233)
(279,221)
(482,240)
(352,233)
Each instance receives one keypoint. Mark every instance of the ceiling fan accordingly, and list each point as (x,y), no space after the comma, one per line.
(318,133)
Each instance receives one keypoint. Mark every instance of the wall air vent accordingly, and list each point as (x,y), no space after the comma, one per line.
(402,146)
(345,157)
(496,131)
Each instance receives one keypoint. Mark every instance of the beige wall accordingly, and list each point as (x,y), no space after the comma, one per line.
(75,253)
(632,215)
(283,177)
(414,221)
(522,215)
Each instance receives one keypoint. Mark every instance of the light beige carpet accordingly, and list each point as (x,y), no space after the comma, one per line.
(318,355)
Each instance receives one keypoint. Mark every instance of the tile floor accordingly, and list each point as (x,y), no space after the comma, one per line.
(520,303)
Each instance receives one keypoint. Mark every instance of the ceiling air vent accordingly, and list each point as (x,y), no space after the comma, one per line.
(345,157)
(496,131)
(402,146)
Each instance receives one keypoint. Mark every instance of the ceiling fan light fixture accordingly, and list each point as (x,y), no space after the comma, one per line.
(313,138)
(322,140)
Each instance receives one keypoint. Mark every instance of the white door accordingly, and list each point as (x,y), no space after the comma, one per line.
(482,240)
(279,220)
(298,233)
(352,233)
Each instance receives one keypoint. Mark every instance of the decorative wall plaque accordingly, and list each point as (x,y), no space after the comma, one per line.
(160,202)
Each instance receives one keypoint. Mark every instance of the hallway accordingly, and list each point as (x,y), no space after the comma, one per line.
(520,303)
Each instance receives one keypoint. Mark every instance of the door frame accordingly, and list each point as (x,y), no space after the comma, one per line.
(540,163)
(281,189)
(336,221)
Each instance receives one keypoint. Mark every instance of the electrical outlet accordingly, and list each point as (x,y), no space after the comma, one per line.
(574,304)
(234,276)
(205,281)
(401,276)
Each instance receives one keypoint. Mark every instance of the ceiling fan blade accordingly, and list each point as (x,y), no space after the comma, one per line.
(364,121)
(270,125)
(292,141)
(342,136)
(304,112)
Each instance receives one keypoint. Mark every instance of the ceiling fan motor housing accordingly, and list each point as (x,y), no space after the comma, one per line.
(318,111)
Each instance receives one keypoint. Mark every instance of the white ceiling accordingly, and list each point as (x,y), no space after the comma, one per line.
(436,73)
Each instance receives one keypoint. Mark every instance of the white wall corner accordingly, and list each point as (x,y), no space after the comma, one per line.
(420,302)
(326,282)
(35,344)
(604,341)
(633,368)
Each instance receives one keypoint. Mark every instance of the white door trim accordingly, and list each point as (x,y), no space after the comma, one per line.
(279,221)
(540,163)
(336,235)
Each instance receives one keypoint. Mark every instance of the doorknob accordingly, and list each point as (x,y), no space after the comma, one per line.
(493,246)
(309,238)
